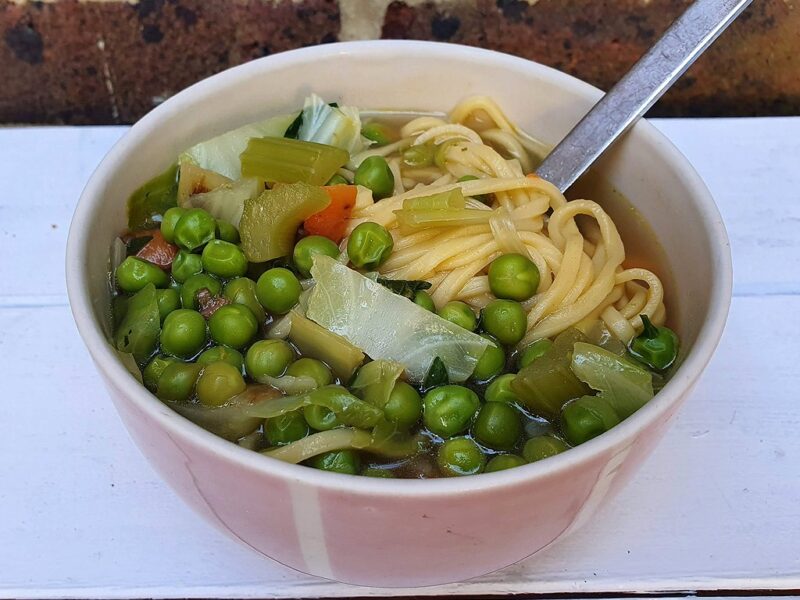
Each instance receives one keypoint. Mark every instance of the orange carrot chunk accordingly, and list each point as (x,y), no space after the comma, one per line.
(332,221)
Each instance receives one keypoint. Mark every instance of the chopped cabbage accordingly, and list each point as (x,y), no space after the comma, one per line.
(227,201)
(338,126)
(388,326)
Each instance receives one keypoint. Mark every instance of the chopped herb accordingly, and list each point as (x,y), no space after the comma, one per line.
(436,376)
(407,289)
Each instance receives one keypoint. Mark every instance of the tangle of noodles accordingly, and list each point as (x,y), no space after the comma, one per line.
(582,273)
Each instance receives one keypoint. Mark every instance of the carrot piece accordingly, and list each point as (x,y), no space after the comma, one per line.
(331,222)
(158,251)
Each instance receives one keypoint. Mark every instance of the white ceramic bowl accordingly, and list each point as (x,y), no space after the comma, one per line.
(398,532)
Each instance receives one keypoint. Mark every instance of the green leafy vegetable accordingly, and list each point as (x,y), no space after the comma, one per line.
(270,221)
(436,375)
(625,386)
(152,200)
(388,326)
(406,288)
(138,332)
(290,161)
(330,124)
(294,127)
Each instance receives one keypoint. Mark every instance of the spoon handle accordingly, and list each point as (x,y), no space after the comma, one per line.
(639,89)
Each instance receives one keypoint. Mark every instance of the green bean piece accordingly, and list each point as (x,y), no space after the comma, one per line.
(233,325)
(404,406)
(285,429)
(501,462)
(460,314)
(227,232)
(424,300)
(586,418)
(369,246)
(242,290)
(177,381)
(513,277)
(306,249)
(134,273)
(498,425)
(460,456)
(168,301)
(224,259)
(491,362)
(338,461)
(374,173)
(541,447)
(320,418)
(221,353)
(505,320)
(268,358)
(500,390)
(185,265)
(153,371)
(218,383)
(278,290)
(168,222)
(533,351)
(313,368)
(195,283)
(657,347)
(183,333)
(418,156)
(449,410)
(194,229)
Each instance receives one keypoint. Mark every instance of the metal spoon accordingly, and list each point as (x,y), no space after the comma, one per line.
(685,40)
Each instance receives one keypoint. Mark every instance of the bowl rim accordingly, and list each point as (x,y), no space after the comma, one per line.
(110,366)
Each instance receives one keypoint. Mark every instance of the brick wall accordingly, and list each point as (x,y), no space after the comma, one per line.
(71,61)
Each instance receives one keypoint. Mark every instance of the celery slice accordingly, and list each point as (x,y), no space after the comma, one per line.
(450,217)
(290,161)
(269,221)
(443,200)
(317,342)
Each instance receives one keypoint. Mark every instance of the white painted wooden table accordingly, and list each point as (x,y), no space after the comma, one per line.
(715,510)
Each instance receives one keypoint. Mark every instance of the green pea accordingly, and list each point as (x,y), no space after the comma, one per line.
(377,472)
(177,381)
(498,425)
(374,173)
(506,320)
(224,259)
(424,300)
(218,383)
(320,418)
(286,428)
(221,353)
(448,410)
(306,249)
(404,406)
(459,313)
(378,133)
(541,447)
(183,333)
(657,347)
(169,220)
(485,198)
(337,180)
(168,301)
(185,264)
(460,456)
(195,228)
(418,156)
(195,283)
(500,390)
(134,273)
(268,358)
(242,290)
(369,245)
(491,362)
(586,418)
(501,462)
(513,277)
(535,350)
(153,371)
(338,461)
(233,325)
(310,367)
(227,232)
(278,290)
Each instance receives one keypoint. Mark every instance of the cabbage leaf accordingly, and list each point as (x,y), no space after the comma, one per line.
(338,126)
(227,201)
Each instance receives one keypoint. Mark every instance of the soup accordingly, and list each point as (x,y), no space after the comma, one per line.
(384,295)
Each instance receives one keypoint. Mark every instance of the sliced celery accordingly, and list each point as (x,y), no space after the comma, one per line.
(317,342)
(152,200)
(450,217)
(269,221)
(443,200)
(289,161)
